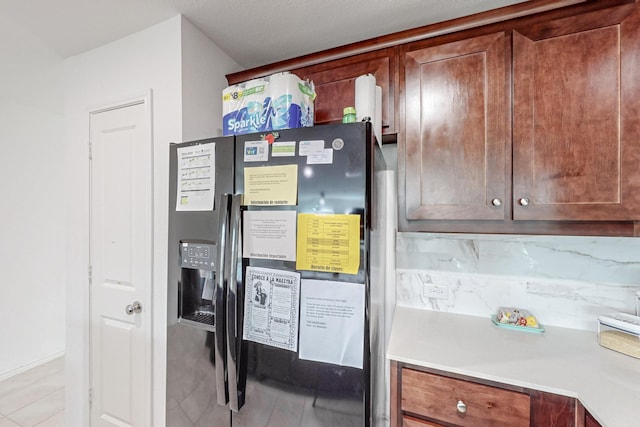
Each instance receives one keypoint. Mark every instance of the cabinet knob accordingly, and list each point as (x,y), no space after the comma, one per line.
(524,201)
(461,407)
(496,202)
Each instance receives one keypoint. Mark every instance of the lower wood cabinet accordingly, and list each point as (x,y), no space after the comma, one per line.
(461,402)
(422,398)
(413,422)
(589,421)
(584,418)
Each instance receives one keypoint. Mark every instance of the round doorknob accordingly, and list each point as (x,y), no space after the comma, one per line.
(461,407)
(496,202)
(136,307)
(524,201)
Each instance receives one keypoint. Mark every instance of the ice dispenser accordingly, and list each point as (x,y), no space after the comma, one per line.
(197,281)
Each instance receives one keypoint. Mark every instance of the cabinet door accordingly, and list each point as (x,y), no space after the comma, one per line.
(335,85)
(453,164)
(576,151)
(549,409)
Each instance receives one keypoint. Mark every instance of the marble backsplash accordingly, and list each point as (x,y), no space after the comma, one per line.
(564,281)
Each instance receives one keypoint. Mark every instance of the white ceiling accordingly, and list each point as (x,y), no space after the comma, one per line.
(253,32)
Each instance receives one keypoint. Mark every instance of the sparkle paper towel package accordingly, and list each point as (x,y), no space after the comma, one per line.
(245,107)
(279,101)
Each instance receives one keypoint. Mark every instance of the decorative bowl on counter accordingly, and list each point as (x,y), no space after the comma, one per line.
(516,318)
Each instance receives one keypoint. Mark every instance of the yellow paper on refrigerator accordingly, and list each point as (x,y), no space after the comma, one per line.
(271,185)
(329,243)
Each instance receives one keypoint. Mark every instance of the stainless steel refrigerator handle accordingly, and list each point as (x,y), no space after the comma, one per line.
(219,295)
(233,309)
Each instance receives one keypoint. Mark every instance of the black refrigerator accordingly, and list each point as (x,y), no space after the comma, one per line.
(273,316)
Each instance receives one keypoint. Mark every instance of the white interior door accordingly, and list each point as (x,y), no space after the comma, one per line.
(121,267)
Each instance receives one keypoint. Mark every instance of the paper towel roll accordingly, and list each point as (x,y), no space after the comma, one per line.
(365,97)
(230,99)
(254,93)
(286,100)
(254,105)
(284,84)
(377,118)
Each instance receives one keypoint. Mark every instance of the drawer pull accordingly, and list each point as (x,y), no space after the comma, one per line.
(461,407)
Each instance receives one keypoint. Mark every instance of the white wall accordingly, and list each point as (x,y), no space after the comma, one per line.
(32,234)
(204,66)
(148,60)
(185,72)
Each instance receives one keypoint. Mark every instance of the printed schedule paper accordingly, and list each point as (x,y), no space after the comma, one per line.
(271,307)
(196,177)
(332,322)
(328,242)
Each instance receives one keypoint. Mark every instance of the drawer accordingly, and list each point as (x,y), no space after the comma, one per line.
(413,422)
(436,397)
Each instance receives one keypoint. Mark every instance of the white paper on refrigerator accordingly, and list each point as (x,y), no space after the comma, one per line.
(324,157)
(269,235)
(196,177)
(283,149)
(332,322)
(309,147)
(271,307)
(256,151)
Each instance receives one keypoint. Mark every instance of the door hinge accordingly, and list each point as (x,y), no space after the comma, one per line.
(90,274)
(90,396)
(90,150)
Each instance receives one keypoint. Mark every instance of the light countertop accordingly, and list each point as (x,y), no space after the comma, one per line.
(564,361)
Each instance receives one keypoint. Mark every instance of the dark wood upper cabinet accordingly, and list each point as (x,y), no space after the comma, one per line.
(523,119)
(576,145)
(534,129)
(335,85)
(457,130)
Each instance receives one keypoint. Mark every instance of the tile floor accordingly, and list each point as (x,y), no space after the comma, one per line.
(34,398)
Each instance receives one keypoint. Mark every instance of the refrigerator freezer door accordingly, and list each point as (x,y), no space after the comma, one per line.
(191,364)
(234,307)
(219,295)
